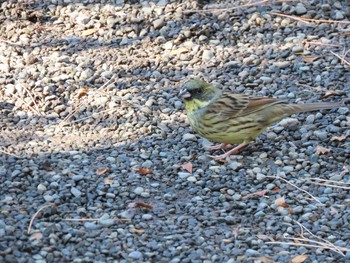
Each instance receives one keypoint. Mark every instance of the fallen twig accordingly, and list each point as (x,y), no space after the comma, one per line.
(324,244)
(341,58)
(318,43)
(278,177)
(35,215)
(81,219)
(265,2)
(307,20)
(32,98)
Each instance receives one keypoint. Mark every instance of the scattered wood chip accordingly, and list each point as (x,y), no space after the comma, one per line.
(329,94)
(138,231)
(299,259)
(82,92)
(101,171)
(322,150)
(144,171)
(89,32)
(276,190)
(188,167)
(144,205)
(108,181)
(310,59)
(339,138)
(37,235)
(281,202)
(258,193)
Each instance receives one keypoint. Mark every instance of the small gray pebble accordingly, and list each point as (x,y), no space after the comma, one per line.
(77,177)
(343,110)
(91,225)
(75,192)
(183,175)
(290,123)
(192,179)
(107,222)
(138,190)
(322,135)
(207,55)
(189,137)
(300,9)
(260,177)
(49,198)
(252,253)
(281,64)
(266,79)
(136,255)
(41,187)
(310,119)
(147,216)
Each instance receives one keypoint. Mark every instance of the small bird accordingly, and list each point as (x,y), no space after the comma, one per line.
(229,118)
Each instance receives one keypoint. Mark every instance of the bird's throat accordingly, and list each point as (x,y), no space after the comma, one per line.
(196,104)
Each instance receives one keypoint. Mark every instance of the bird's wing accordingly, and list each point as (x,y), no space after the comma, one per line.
(233,105)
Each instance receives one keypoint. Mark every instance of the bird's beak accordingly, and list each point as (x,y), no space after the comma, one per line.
(184,94)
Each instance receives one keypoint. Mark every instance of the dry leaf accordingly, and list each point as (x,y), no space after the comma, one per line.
(89,32)
(138,231)
(37,235)
(108,181)
(82,92)
(141,204)
(265,259)
(258,193)
(101,171)
(276,190)
(299,259)
(188,167)
(298,234)
(329,94)
(310,59)
(339,138)
(281,202)
(322,150)
(144,171)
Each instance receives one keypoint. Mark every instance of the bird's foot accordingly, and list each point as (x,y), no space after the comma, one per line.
(235,150)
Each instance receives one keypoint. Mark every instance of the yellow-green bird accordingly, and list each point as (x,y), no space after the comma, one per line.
(229,118)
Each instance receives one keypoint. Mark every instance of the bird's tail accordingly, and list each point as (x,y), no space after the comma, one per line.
(282,109)
(297,108)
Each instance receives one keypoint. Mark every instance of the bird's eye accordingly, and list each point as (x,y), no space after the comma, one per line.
(196,91)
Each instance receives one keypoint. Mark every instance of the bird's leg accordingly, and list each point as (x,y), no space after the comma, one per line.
(235,150)
(217,147)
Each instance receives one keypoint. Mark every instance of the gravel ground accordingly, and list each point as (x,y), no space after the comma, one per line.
(92,132)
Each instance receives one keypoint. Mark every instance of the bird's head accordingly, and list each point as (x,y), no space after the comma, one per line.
(197,94)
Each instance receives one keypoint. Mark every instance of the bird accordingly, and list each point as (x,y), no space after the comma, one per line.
(235,119)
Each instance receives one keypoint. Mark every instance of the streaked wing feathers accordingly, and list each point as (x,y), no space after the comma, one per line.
(237,105)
